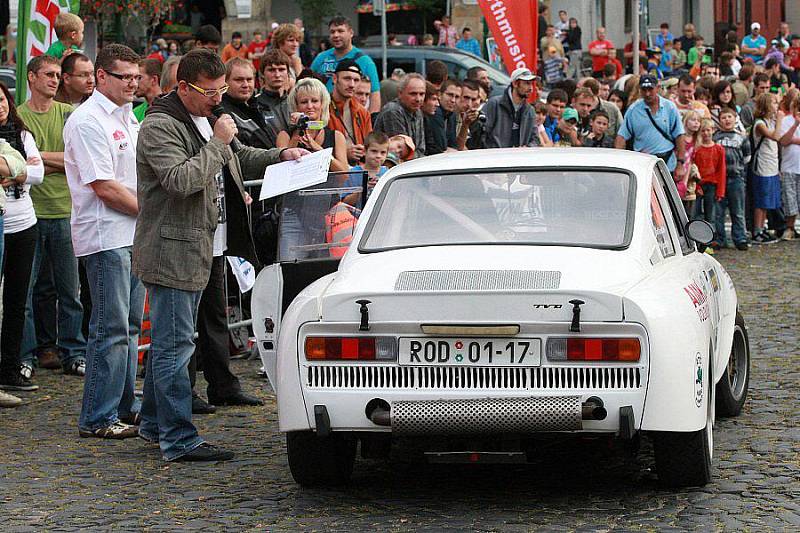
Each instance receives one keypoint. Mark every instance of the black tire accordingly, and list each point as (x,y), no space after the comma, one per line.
(731,390)
(320,461)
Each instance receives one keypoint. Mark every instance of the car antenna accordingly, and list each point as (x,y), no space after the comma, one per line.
(576,315)
(364,326)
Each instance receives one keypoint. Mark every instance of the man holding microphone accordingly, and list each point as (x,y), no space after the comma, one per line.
(192,203)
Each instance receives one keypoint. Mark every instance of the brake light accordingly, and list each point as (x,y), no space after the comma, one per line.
(593,349)
(351,348)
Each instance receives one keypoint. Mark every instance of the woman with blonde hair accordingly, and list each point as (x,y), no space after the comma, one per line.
(287,39)
(309,108)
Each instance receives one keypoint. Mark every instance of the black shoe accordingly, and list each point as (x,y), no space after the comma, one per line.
(206,452)
(16,381)
(742,246)
(238,398)
(200,407)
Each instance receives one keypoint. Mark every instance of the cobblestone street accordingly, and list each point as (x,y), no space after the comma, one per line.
(52,480)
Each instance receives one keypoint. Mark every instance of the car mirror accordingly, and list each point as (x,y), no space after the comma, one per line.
(700,231)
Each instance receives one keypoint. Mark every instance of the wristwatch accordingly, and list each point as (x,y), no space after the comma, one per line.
(681,160)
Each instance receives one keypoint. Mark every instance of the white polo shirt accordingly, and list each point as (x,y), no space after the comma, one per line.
(100,144)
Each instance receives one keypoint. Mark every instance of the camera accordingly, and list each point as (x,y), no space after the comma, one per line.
(302,124)
(482,117)
(709,52)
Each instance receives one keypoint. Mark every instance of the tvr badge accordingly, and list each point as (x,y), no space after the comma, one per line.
(547,306)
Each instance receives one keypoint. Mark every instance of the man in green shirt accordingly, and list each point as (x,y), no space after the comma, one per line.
(45,118)
(149,85)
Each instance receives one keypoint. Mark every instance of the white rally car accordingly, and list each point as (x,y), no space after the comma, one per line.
(490,298)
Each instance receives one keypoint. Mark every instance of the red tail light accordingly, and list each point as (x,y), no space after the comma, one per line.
(350,348)
(593,349)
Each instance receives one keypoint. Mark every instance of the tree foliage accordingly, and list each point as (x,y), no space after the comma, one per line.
(316,11)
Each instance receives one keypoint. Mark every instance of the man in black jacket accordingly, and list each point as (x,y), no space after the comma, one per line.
(272,102)
(240,103)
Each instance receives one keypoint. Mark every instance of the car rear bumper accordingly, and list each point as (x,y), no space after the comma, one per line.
(459,412)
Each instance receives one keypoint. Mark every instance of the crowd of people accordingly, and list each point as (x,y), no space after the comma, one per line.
(118,170)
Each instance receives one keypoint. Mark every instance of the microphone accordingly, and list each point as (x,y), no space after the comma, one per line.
(235,145)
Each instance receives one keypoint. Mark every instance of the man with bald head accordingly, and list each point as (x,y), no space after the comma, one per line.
(403,116)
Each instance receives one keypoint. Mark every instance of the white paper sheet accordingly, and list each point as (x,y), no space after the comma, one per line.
(311,169)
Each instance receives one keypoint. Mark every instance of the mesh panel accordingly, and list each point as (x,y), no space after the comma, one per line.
(486,415)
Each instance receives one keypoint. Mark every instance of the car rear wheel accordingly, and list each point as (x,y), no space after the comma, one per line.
(683,459)
(320,461)
(732,387)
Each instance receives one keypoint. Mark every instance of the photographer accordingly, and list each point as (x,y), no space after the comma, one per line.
(510,119)
(309,104)
(473,121)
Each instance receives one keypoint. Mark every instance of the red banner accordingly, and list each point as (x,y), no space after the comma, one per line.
(514,26)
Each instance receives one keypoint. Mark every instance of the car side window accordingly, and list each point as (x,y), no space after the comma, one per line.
(674,206)
(456,71)
(660,225)
(407,64)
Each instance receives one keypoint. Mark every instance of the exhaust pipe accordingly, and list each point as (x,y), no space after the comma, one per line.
(592,409)
(379,412)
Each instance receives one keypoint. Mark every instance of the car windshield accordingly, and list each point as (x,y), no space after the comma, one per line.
(587,208)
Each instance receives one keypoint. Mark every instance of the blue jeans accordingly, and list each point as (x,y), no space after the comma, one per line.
(705,207)
(56,240)
(112,350)
(734,201)
(167,403)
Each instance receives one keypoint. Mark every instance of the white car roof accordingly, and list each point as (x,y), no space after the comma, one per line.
(639,164)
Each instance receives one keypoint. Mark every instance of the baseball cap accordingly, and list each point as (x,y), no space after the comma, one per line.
(648,82)
(755,26)
(398,72)
(569,114)
(348,65)
(777,42)
(523,74)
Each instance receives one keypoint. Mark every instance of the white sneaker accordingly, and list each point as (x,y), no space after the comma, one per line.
(117,430)
(9,400)
(788,234)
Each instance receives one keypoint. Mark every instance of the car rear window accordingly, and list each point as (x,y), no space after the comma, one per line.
(590,208)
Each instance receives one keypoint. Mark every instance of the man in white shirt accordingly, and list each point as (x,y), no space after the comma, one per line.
(100,163)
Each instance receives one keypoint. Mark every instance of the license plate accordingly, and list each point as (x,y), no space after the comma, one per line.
(470,351)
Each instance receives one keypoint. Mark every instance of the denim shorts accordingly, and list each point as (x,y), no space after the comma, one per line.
(766,192)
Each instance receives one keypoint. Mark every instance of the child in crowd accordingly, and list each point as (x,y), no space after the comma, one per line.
(403,146)
(376,147)
(597,138)
(554,67)
(790,168)
(701,94)
(667,58)
(541,115)
(766,182)
(710,160)
(737,156)
(678,57)
(69,30)
(687,188)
